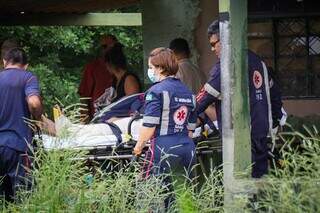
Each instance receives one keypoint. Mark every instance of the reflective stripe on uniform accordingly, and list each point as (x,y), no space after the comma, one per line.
(267,88)
(194,102)
(212,91)
(283,118)
(271,83)
(165,113)
(151,120)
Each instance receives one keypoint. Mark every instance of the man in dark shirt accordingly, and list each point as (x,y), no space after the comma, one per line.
(20,99)
(259,104)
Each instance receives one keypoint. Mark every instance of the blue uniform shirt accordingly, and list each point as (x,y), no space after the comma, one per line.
(170,107)
(210,93)
(276,102)
(257,95)
(15,86)
(124,107)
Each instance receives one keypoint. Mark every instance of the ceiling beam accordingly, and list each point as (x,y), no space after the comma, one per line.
(62,6)
(89,19)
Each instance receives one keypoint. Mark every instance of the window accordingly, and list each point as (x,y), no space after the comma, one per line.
(291,46)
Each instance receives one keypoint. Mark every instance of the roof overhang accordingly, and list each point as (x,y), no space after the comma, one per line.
(62,6)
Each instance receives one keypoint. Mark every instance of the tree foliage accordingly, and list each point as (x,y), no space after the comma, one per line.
(57,54)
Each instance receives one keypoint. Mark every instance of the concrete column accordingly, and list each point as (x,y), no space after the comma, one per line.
(235,102)
(164,20)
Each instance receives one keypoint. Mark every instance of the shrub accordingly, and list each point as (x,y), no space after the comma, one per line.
(56,88)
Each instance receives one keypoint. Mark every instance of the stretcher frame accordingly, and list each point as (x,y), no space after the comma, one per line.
(122,150)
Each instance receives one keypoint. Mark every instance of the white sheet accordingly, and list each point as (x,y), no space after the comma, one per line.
(77,136)
(82,136)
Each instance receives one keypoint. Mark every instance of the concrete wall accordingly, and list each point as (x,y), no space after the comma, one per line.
(165,20)
(168,19)
(302,108)
(209,12)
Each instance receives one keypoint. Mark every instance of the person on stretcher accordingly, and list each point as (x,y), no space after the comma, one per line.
(101,129)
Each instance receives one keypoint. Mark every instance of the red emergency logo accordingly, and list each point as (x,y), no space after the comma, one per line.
(257,79)
(180,115)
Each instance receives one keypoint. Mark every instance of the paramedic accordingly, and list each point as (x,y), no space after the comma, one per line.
(258,101)
(96,78)
(124,83)
(169,118)
(20,99)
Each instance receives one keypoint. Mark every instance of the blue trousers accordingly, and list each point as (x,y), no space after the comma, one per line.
(259,151)
(172,153)
(14,167)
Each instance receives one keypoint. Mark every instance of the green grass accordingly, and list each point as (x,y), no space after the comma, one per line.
(64,185)
(295,186)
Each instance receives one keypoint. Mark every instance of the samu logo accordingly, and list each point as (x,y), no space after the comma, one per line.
(180,115)
(257,79)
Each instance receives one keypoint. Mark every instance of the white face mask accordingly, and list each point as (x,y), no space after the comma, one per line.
(152,76)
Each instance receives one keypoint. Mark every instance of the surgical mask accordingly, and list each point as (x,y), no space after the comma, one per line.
(152,76)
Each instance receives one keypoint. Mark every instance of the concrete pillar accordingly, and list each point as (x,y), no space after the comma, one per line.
(164,20)
(235,102)
(208,12)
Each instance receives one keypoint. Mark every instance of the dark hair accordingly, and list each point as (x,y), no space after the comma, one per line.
(115,56)
(8,45)
(164,58)
(16,56)
(180,45)
(213,28)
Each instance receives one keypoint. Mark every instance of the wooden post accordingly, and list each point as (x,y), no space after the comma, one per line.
(235,103)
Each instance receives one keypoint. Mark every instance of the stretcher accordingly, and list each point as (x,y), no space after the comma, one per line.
(115,140)
(120,135)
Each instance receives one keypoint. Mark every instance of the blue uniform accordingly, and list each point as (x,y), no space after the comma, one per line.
(211,93)
(15,135)
(171,108)
(276,102)
(121,108)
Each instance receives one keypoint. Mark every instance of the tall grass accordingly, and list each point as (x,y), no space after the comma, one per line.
(295,187)
(62,184)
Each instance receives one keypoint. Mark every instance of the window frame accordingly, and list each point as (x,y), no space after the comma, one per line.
(310,72)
